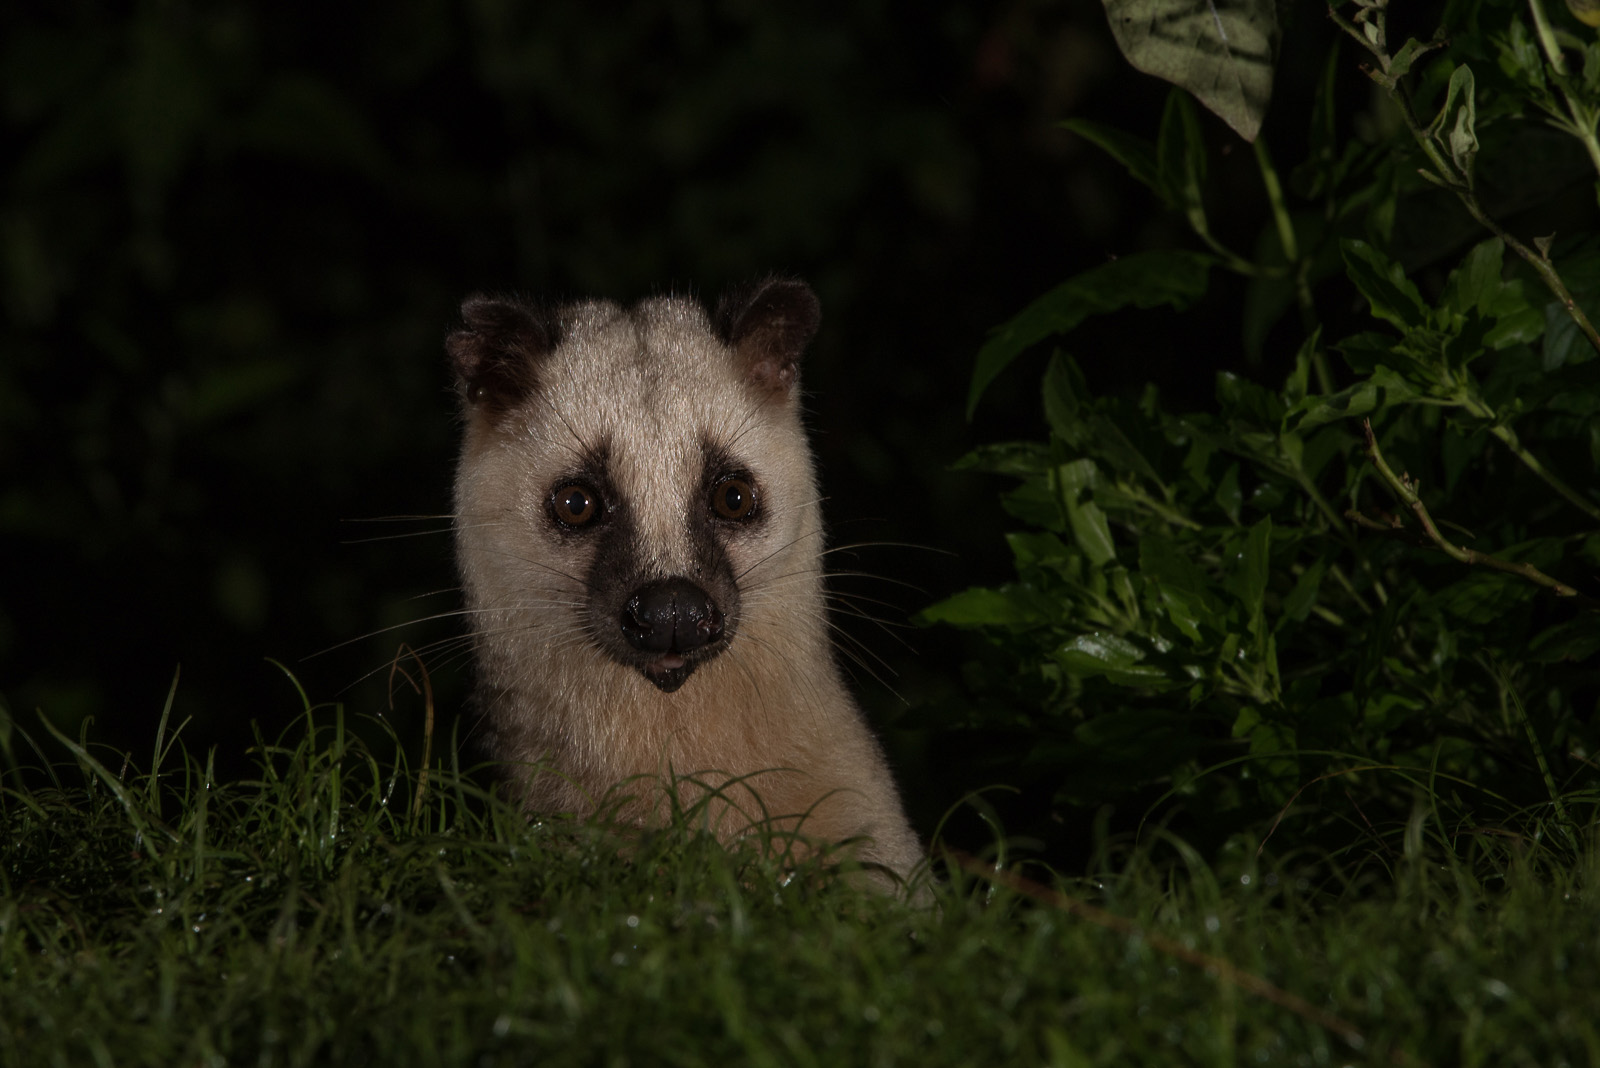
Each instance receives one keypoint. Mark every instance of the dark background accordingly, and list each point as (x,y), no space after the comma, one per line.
(233,235)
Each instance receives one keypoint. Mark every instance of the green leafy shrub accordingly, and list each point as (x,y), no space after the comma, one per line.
(1268,602)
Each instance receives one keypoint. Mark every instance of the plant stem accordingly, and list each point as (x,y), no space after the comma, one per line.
(1291,252)
(1231,259)
(1316,498)
(1344,580)
(1509,438)
(1547,38)
(1170,515)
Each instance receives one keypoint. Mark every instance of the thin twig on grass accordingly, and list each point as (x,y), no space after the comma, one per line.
(1224,970)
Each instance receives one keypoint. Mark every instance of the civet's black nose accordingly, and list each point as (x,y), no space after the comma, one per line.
(673,616)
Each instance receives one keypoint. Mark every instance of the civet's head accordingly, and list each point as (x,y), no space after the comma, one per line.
(635,480)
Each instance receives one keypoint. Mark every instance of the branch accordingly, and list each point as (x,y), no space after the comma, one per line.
(1404,487)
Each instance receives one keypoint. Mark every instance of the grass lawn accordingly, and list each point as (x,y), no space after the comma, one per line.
(315,916)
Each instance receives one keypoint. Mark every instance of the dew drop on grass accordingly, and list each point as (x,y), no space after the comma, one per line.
(633,921)
(502,1025)
(1244,880)
(1213,924)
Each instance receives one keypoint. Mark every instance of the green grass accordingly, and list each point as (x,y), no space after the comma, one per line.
(314,916)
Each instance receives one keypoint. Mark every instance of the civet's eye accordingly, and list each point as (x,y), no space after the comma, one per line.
(734,499)
(575,505)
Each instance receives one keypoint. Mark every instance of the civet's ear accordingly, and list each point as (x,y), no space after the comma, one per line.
(768,324)
(497,351)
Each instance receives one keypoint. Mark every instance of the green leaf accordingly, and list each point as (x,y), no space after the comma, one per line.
(1019,458)
(1519,55)
(1180,585)
(1476,282)
(1318,174)
(1368,351)
(1142,280)
(1455,128)
(1243,399)
(1034,548)
(1092,533)
(1251,568)
(1036,503)
(1067,404)
(1576,640)
(1574,388)
(1563,341)
(1009,606)
(1088,522)
(1074,419)
(1296,385)
(1303,597)
(1482,598)
(1385,387)
(1222,51)
(1181,159)
(1400,63)
(1387,712)
(1392,295)
(1229,497)
(1267,737)
(1134,153)
(1127,733)
(1115,657)
(1267,298)
(1518,327)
